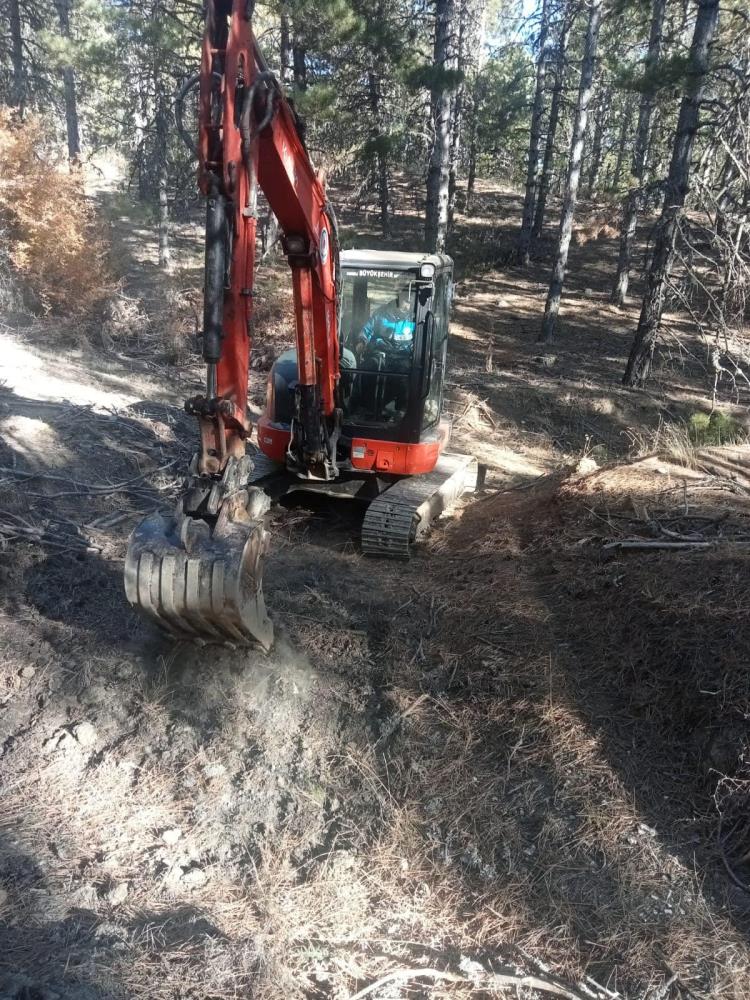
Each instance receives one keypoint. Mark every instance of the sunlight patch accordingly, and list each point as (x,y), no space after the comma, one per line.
(34,440)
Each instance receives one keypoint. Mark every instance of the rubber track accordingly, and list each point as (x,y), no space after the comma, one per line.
(392,522)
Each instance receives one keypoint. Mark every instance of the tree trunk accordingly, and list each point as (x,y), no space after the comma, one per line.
(379,150)
(596,145)
(477,98)
(438,175)
(622,144)
(456,118)
(549,147)
(165,256)
(640,153)
(472,173)
(552,307)
(463,58)
(69,88)
(161,122)
(641,353)
(285,47)
(299,64)
(532,167)
(18,81)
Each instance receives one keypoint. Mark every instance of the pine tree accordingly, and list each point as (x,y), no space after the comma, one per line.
(438,176)
(532,169)
(552,307)
(640,152)
(678,182)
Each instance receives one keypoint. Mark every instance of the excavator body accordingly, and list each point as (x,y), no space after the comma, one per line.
(354,410)
(392,451)
(391,389)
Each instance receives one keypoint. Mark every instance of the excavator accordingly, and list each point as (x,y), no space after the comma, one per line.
(354,410)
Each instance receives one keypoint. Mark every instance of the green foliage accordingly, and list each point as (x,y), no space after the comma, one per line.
(433,78)
(715,429)
(667,75)
(502,92)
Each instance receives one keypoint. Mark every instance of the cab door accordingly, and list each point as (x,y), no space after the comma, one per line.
(437,351)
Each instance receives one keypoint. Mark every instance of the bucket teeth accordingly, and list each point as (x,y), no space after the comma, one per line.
(199,582)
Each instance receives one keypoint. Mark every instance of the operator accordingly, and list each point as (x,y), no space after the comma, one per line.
(389,328)
(385,342)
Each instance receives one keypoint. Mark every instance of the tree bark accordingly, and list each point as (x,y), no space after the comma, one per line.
(379,150)
(552,307)
(596,148)
(438,175)
(640,153)
(532,167)
(622,144)
(69,89)
(299,64)
(285,47)
(677,186)
(549,146)
(18,80)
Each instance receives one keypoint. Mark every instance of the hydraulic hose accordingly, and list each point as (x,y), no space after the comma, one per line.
(179,108)
(215,273)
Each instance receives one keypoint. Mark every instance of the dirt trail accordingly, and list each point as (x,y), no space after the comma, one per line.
(502,753)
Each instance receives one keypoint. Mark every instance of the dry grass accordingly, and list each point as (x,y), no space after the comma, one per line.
(273,312)
(579,773)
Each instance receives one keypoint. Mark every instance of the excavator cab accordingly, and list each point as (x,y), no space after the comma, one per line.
(393,338)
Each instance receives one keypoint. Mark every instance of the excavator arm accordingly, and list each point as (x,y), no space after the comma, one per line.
(198,572)
(248,139)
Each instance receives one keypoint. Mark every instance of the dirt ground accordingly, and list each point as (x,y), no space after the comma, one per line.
(515,764)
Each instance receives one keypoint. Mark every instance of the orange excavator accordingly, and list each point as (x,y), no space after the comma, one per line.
(355,410)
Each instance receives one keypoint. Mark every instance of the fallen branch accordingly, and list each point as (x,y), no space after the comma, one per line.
(642,543)
(496,980)
(492,493)
(104,488)
(18,533)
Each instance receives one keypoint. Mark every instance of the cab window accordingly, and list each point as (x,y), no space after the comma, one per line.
(378,324)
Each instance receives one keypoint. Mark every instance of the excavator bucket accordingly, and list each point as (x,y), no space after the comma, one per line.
(200,580)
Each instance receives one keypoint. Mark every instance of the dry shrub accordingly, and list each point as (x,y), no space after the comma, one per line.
(56,243)
(124,320)
(127,321)
(273,314)
(179,322)
(596,227)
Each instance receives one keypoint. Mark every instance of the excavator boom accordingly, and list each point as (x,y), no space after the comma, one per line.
(248,138)
(198,573)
